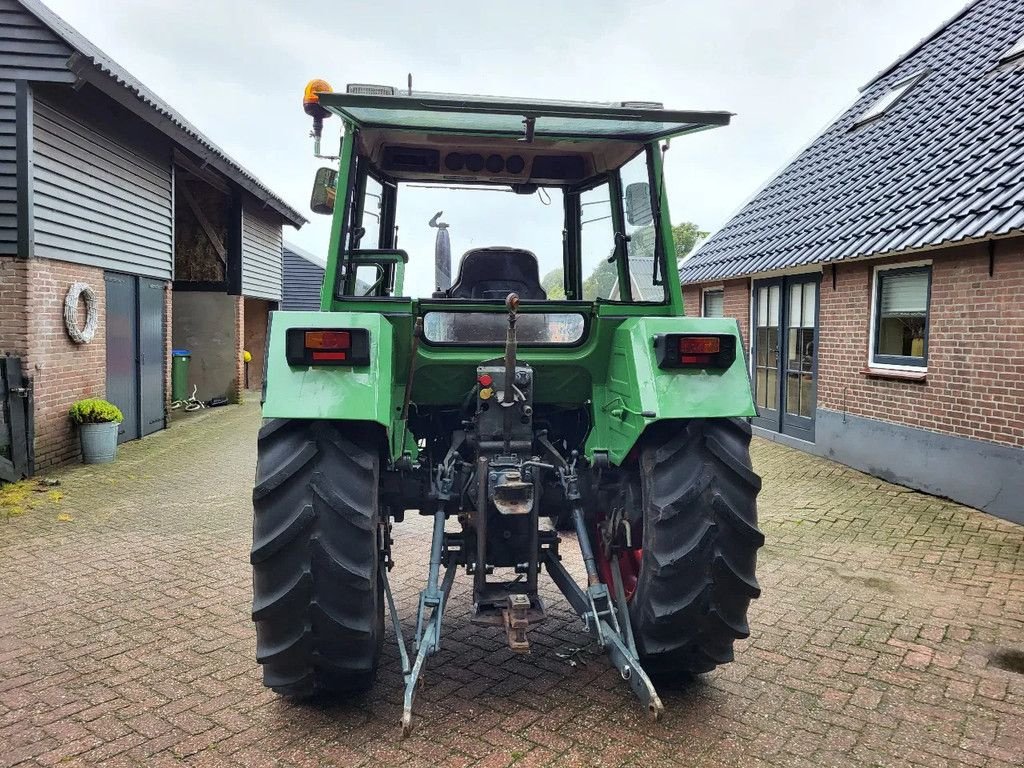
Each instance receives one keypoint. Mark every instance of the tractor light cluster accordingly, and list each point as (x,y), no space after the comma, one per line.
(687,350)
(327,346)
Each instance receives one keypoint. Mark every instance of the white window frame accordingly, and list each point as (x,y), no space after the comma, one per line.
(1014,53)
(895,93)
(874,313)
(705,290)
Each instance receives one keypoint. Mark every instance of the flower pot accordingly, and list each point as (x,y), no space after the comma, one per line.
(99,442)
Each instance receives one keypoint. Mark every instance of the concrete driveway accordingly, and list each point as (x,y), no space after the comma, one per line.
(888,632)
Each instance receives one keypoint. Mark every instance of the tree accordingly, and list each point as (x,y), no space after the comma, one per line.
(601,280)
(641,245)
(554,284)
(686,236)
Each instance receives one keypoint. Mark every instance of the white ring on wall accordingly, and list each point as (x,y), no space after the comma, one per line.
(75,292)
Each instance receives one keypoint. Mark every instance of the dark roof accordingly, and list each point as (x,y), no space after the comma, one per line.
(144,100)
(944,164)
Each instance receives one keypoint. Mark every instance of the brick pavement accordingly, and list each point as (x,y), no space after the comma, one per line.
(125,637)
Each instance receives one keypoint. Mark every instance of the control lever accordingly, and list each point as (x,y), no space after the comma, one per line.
(509,396)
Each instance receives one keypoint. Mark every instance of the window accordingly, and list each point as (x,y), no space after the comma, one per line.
(645,279)
(885,103)
(597,244)
(714,303)
(766,342)
(1015,52)
(900,316)
(479,217)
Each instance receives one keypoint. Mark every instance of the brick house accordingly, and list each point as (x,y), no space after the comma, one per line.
(103,183)
(878,280)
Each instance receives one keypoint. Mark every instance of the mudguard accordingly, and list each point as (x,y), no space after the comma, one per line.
(354,393)
(637,393)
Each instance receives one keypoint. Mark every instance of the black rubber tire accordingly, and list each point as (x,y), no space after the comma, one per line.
(318,600)
(700,542)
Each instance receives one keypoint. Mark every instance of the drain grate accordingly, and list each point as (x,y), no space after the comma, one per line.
(1011,661)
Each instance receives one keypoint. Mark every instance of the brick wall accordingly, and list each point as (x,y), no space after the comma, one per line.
(975,382)
(237,385)
(62,371)
(32,326)
(257,313)
(13,297)
(691,300)
(737,304)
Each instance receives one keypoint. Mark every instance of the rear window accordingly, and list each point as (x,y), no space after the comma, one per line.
(489,328)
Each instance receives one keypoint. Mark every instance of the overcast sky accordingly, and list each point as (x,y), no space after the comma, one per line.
(236,68)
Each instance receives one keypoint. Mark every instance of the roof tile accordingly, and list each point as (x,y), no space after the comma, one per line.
(942,165)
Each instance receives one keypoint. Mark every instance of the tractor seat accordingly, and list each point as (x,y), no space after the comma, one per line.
(494,273)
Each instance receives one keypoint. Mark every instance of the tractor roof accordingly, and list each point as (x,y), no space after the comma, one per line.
(383,107)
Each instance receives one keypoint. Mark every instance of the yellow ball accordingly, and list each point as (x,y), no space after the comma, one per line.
(247,356)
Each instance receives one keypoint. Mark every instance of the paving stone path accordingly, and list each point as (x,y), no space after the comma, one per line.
(883,636)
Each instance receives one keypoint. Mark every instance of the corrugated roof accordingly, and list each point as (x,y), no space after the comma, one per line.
(944,164)
(187,133)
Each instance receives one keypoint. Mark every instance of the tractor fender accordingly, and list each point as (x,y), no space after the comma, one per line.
(637,393)
(337,392)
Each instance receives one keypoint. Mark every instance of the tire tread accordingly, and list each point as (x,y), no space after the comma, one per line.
(317,598)
(701,538)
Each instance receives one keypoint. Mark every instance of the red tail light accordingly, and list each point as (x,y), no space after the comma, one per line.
(689,350)
(323,346)
(328,340)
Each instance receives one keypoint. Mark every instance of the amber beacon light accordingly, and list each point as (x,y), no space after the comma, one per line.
(311,104)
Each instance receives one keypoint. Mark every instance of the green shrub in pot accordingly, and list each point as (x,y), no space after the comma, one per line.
(97,422)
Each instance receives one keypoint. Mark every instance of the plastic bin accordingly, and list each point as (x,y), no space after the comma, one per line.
(180,360)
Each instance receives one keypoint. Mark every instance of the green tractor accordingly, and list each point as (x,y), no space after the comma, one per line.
(548,382)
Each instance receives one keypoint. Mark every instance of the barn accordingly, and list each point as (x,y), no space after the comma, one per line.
(116,210)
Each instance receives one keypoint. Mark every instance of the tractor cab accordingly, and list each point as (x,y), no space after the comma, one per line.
(573,191)
(542,380)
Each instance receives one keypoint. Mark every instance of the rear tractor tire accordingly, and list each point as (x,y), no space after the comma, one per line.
(318,599)
(700,540)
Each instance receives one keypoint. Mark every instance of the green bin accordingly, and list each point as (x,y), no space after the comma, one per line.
(180,359)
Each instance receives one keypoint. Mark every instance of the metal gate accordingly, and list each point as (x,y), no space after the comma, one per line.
(135,352)
(16,457)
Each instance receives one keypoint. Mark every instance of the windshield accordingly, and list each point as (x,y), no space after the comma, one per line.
(476,217)
(472,241)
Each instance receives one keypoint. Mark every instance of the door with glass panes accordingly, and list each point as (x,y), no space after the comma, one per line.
(784,354)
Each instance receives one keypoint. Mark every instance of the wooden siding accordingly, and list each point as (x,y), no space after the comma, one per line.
(28,51)
(97,202)
(262,245)
(8,171)
(302,283)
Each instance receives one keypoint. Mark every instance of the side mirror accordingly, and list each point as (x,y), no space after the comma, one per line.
(638,204)
(325,186)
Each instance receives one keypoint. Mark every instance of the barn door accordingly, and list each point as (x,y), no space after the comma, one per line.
(15,421)
(151,354)
(122,351)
